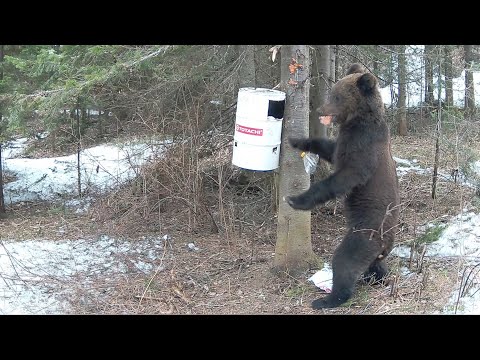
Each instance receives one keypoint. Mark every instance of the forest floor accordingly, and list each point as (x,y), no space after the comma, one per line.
(205,273)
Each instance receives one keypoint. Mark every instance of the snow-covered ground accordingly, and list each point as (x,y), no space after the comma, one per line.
(469,301)
(405,166)
(102,167)
(35,274)
(416,82)
(459,239)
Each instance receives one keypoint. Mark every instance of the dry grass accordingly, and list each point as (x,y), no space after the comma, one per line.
(43,220)
(230,273)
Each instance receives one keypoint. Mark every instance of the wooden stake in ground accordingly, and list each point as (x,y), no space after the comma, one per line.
(293,250)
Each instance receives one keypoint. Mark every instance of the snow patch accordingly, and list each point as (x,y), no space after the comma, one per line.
(36,275)
(461,238)
(103,168)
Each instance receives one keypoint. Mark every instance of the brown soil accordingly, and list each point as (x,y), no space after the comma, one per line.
(231,274)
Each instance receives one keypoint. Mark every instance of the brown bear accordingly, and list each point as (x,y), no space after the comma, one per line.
(364,175)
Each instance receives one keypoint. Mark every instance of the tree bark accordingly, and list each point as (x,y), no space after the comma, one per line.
(320,85)
(319,88)
(401,104)
(77,117)
(2,199)
(337,62)
(391,73)
(469,87)
(275,71)
(333,64)
(375,64)
(428,54)
(438,135)
(246,71)
(447,50)
(293,250)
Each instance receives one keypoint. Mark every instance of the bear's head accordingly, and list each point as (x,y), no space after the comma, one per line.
(355,95)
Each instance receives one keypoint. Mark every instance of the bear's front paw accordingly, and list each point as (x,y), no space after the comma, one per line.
(299,203)
(300,143)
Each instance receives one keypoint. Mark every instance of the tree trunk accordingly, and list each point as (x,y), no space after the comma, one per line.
(391,73)
(2,199)
(438,135)
(437,159)
(320,85)
(275,77)
(319,88)
(100,124)
(77,117)
(293,250)
(448,75)
(428,54)
(469,88)
(337,61)
(333,75)
(375,65)
(246,71)
(402,88)
(275,71)
(333,64)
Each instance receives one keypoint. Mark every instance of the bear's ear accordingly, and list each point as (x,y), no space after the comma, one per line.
(356,69)
(367,83)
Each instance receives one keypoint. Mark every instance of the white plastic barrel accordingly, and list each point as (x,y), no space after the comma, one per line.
(258,129)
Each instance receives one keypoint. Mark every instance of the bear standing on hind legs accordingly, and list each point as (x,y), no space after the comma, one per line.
(364,174)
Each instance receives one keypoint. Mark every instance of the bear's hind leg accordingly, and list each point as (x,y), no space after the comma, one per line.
(376,273)
(351,259)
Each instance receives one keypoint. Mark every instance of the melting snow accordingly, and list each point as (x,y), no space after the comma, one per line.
(36,274)
(460,239)
(102,168)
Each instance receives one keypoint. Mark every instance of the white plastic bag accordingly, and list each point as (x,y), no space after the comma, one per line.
(310,161)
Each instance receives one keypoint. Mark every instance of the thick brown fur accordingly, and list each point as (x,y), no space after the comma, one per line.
(364,175)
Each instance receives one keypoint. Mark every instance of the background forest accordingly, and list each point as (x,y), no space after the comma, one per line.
(210,227)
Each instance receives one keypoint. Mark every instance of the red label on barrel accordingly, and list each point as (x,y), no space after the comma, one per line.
(249,130)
